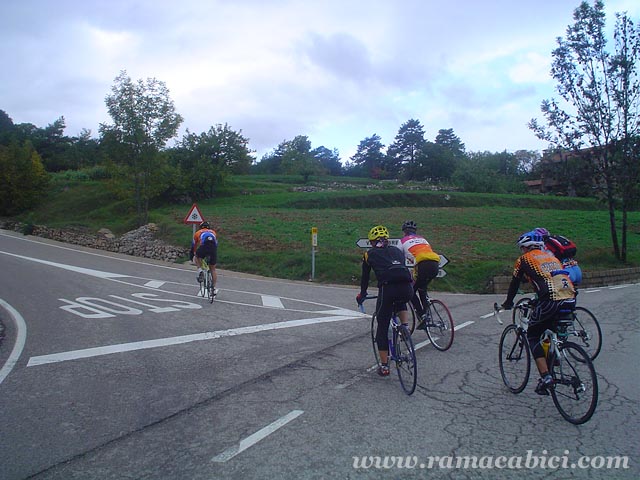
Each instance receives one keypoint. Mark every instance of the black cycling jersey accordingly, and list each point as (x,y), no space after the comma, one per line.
(388,264)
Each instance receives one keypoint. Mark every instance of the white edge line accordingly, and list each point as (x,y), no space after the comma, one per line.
(21,337)
(254,438)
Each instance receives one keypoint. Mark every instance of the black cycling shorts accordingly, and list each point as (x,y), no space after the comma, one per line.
(208,250)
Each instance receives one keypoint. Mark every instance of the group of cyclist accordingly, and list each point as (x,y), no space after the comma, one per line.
(550,279)
(397,286)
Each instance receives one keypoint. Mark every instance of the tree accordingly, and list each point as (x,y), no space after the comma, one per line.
(206,160)
(329,159)
(22,177)
(144,119)
(598,120)
(297,158)
(404,150)
(369,157)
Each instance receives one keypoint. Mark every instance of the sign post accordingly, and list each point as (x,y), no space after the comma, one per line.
(314,244)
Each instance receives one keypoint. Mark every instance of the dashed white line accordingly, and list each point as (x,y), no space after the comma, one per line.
(271,301)
(251,440)
(154,284)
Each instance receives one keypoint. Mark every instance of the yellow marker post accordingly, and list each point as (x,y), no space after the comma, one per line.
(314,244)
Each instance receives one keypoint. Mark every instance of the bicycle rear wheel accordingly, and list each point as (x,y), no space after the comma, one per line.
(587,330)
(374,330)
(405,360)
(514,358)
(440,326)
(575,385)
(209,280)
(521,311)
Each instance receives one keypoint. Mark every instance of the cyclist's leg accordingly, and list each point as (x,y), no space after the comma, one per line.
(383,313)
(541,320)
(402,293)
(419,299)
(430,270)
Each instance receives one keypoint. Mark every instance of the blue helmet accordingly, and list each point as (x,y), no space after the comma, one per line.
(530,239)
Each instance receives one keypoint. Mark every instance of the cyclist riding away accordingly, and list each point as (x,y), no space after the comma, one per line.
(394,287)
(554,290)
(203,245)
(418,250)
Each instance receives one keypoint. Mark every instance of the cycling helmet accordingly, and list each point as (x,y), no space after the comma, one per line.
(543,232)
(379,231)
(530,239)
(205,224)
(410,225)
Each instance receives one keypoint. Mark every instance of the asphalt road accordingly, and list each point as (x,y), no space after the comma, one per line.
(113,368)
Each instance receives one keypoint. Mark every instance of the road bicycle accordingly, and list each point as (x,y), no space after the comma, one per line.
(438,324)
(207,287)
(401,349)
(575,386)
(585,326)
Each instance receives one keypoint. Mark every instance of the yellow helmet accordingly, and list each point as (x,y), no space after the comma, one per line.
(379,231)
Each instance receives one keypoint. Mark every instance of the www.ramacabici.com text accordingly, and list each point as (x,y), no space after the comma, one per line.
(530,461)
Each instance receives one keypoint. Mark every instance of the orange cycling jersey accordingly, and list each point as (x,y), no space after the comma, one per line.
(417,248)
(546,274)
(196,237)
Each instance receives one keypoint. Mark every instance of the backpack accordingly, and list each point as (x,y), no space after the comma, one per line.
(560,246)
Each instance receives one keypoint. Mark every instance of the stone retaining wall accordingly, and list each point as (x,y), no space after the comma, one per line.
(140,242)
(589,279)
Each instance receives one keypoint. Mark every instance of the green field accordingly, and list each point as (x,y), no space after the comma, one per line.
(264,226)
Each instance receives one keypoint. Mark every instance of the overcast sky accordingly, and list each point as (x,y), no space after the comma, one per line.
(337,71)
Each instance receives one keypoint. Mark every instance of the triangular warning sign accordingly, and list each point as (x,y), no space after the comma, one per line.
(194,215)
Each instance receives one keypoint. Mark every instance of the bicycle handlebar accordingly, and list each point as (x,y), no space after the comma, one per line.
(361,305)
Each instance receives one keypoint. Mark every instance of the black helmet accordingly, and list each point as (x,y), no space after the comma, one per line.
(205,224)
(409,225)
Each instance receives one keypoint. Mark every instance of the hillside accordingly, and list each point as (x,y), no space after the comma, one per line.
(264,225)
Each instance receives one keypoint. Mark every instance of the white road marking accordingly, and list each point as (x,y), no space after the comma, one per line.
(154,284)
(251,440)
(86,271)
(618,287)
(271,301)
(21,337)
(163,342)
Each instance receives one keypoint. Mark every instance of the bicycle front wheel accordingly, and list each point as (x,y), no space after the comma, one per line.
(575,385)
(209,280)
(514,358)
(440,326)
(405,360)
(587,330)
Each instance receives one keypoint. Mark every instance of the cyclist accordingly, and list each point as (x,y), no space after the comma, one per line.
(204,227)
(394,287)
(554,291)
(208,251)
(427,263)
